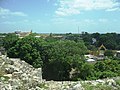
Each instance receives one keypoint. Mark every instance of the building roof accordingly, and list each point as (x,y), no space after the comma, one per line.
(90,60)
(102,46)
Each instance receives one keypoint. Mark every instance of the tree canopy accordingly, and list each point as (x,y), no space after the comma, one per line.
(63,59)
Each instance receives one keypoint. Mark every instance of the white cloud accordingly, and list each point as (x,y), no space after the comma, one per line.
(70,7)
(6,12)
(67,11)
(102,20)
(113,9)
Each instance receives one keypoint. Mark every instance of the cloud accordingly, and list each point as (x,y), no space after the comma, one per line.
(113,9)
(102,20)
(6,12)
(67,11)
(71,7)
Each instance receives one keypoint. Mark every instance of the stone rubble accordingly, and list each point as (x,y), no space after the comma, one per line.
(16,74)
(21,75)
(63,85)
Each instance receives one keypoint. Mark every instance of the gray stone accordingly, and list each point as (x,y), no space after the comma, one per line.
(16,74)
(14,82)
(111,82)
(9,62)
(9,70)
(78,87)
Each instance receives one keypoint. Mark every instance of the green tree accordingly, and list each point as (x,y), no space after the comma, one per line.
(10,41)
(74,37)
(109,53)
(61,57)
(109,40)
(86,71)
(28,49)
(107,68)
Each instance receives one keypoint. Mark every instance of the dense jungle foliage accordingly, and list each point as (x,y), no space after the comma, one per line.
(63,58)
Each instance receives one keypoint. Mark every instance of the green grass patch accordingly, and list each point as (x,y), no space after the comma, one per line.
(118,82)
(5,78)
(42,85)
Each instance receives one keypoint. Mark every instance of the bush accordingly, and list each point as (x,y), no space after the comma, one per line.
(109,53)
(106,74)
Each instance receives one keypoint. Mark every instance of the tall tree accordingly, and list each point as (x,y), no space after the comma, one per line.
(28,49)
(10,41)
(61,57)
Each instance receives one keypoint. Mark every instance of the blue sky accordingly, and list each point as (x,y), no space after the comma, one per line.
(60,16)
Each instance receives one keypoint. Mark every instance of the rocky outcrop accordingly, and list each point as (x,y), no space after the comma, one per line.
(16,74)
(62,85)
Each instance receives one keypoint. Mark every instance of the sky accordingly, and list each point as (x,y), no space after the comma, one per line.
(60,16)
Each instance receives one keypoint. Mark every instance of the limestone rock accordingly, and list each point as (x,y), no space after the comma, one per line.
(111,82)
(9,70)
(22,76)
(77,87)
